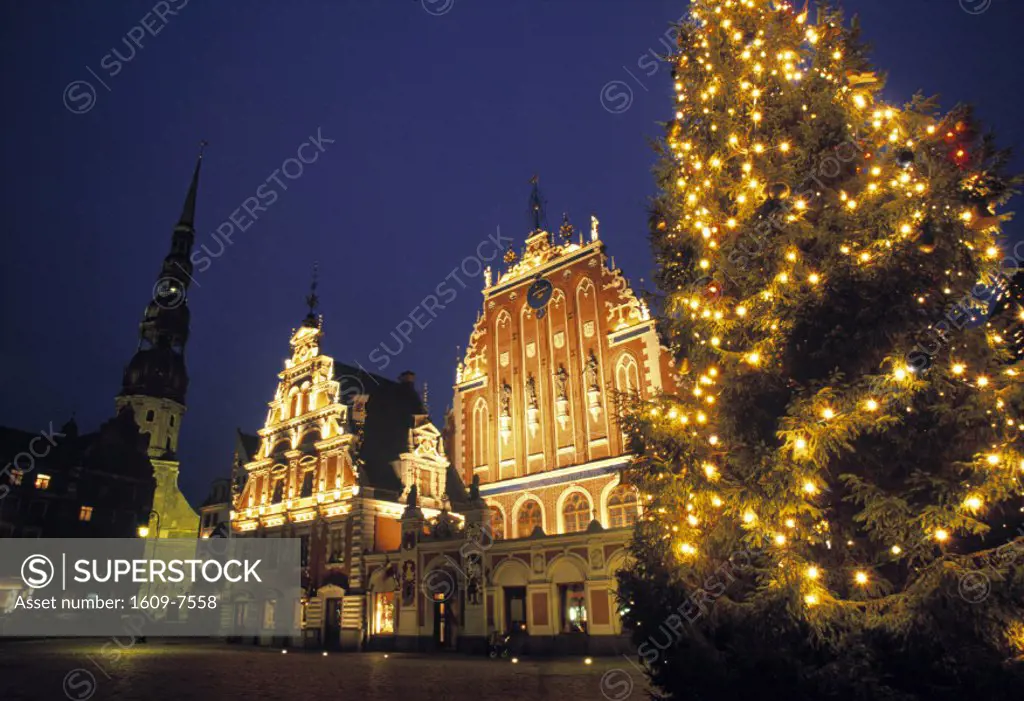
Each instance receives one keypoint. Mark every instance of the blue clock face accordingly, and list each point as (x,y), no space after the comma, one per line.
(539,295)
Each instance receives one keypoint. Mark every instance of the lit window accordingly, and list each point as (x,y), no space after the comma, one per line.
(16,476)
(576,512)
(622,509)
(85,513)
(42,481)
(574,608)
(497,524)
(529,519)
(384,613)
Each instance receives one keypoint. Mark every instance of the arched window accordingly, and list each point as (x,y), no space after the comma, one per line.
(497,524)
(307,484)
(278,492)
(627,374)
(296,405)
(576,512)
(529,518)
(481,423)
(622,509)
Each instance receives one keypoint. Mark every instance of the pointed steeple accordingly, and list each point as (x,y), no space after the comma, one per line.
(158,367)
(536,206)
(188,212)
(312,301)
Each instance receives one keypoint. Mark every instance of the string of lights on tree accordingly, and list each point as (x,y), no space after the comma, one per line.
(786,176)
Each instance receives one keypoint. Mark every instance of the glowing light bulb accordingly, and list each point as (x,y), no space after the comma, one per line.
(811,599)
(896,550)
(687,549)
(810,487)
(710,471)
(749,517)
(754,358)
(780,539)
(992,459)
(716,501)
(812,572)
(973,503)
(827,414)
(982,381)
(800,443)
(741,310)
(941,535)
(861,577)
(871,405)
(813,278)
(958,368)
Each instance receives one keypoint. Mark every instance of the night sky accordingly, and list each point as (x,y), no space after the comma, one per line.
(439,112)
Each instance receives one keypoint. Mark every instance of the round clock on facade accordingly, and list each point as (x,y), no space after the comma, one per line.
(539,295)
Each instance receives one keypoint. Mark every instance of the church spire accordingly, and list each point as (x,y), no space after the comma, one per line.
(158,367)
(188,212)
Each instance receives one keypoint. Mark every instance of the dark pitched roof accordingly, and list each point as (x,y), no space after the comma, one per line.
(246,445)
(391,409)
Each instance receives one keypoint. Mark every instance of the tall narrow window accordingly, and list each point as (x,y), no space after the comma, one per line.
(307,484)
(576,512)
(627,374)
(85,513)
(278,492)
(481,424)
(529,519)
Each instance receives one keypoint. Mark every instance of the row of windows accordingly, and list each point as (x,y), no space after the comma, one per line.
(627,380)
(576,513)
(42,481)
(38,508)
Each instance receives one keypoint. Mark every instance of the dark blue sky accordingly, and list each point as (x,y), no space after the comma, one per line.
(438,122)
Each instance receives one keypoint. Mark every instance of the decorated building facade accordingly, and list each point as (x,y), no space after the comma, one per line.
(514,519)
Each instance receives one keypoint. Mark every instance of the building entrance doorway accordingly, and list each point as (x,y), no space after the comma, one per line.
(515,610)
(332,624)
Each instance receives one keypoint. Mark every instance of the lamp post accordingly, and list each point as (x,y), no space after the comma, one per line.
(144,533)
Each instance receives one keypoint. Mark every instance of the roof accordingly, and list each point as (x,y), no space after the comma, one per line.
(391,409)
(246,445)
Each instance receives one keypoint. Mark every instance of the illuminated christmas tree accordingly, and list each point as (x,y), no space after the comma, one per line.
(821,495)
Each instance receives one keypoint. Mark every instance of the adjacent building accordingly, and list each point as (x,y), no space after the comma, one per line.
(121,480)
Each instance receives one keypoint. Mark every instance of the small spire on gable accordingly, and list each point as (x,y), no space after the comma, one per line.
(312,301)
(536,206)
